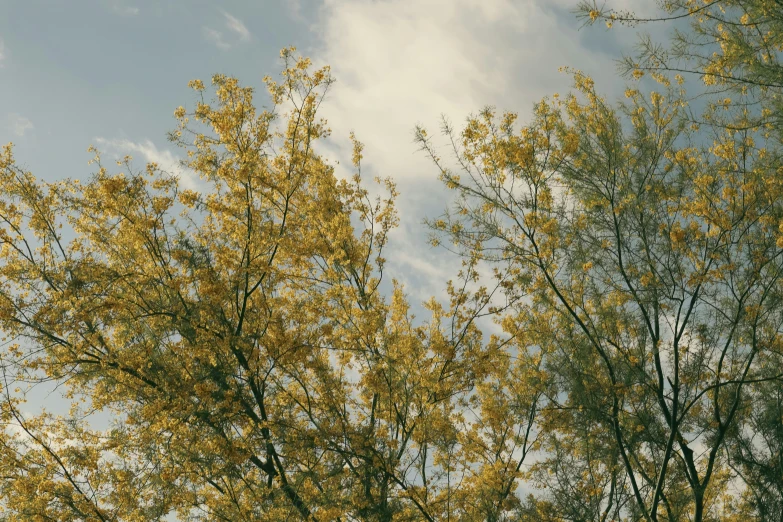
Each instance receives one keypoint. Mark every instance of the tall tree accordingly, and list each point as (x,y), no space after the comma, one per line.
(733,49)
(237,336)
(254,366)
(652,266)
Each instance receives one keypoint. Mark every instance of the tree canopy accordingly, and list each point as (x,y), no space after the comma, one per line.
(254,367)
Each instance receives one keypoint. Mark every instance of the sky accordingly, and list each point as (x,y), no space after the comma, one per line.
(110,73)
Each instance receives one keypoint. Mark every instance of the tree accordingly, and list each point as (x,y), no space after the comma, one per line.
(652,266)
(255,366)
(238,337)
(734,48)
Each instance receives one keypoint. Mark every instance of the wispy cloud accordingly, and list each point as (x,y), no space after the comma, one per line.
(216,37)
(119,7)
(2,52)
(403,62)
(294,9)
(235,25)
(165,159)
(399,62)
(19,124)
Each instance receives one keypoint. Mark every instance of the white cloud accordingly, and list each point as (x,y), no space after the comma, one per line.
(402,62)
(119,7)
(127,10)
(20,125)
(235,25)
(165,159)
(294,9)
(2,53)
(216,37)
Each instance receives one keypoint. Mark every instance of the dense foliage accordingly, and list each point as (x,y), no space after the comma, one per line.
(253,368)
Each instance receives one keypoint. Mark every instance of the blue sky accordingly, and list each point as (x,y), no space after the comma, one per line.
(111,72)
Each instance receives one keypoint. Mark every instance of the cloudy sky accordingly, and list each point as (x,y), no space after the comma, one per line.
(111,73)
